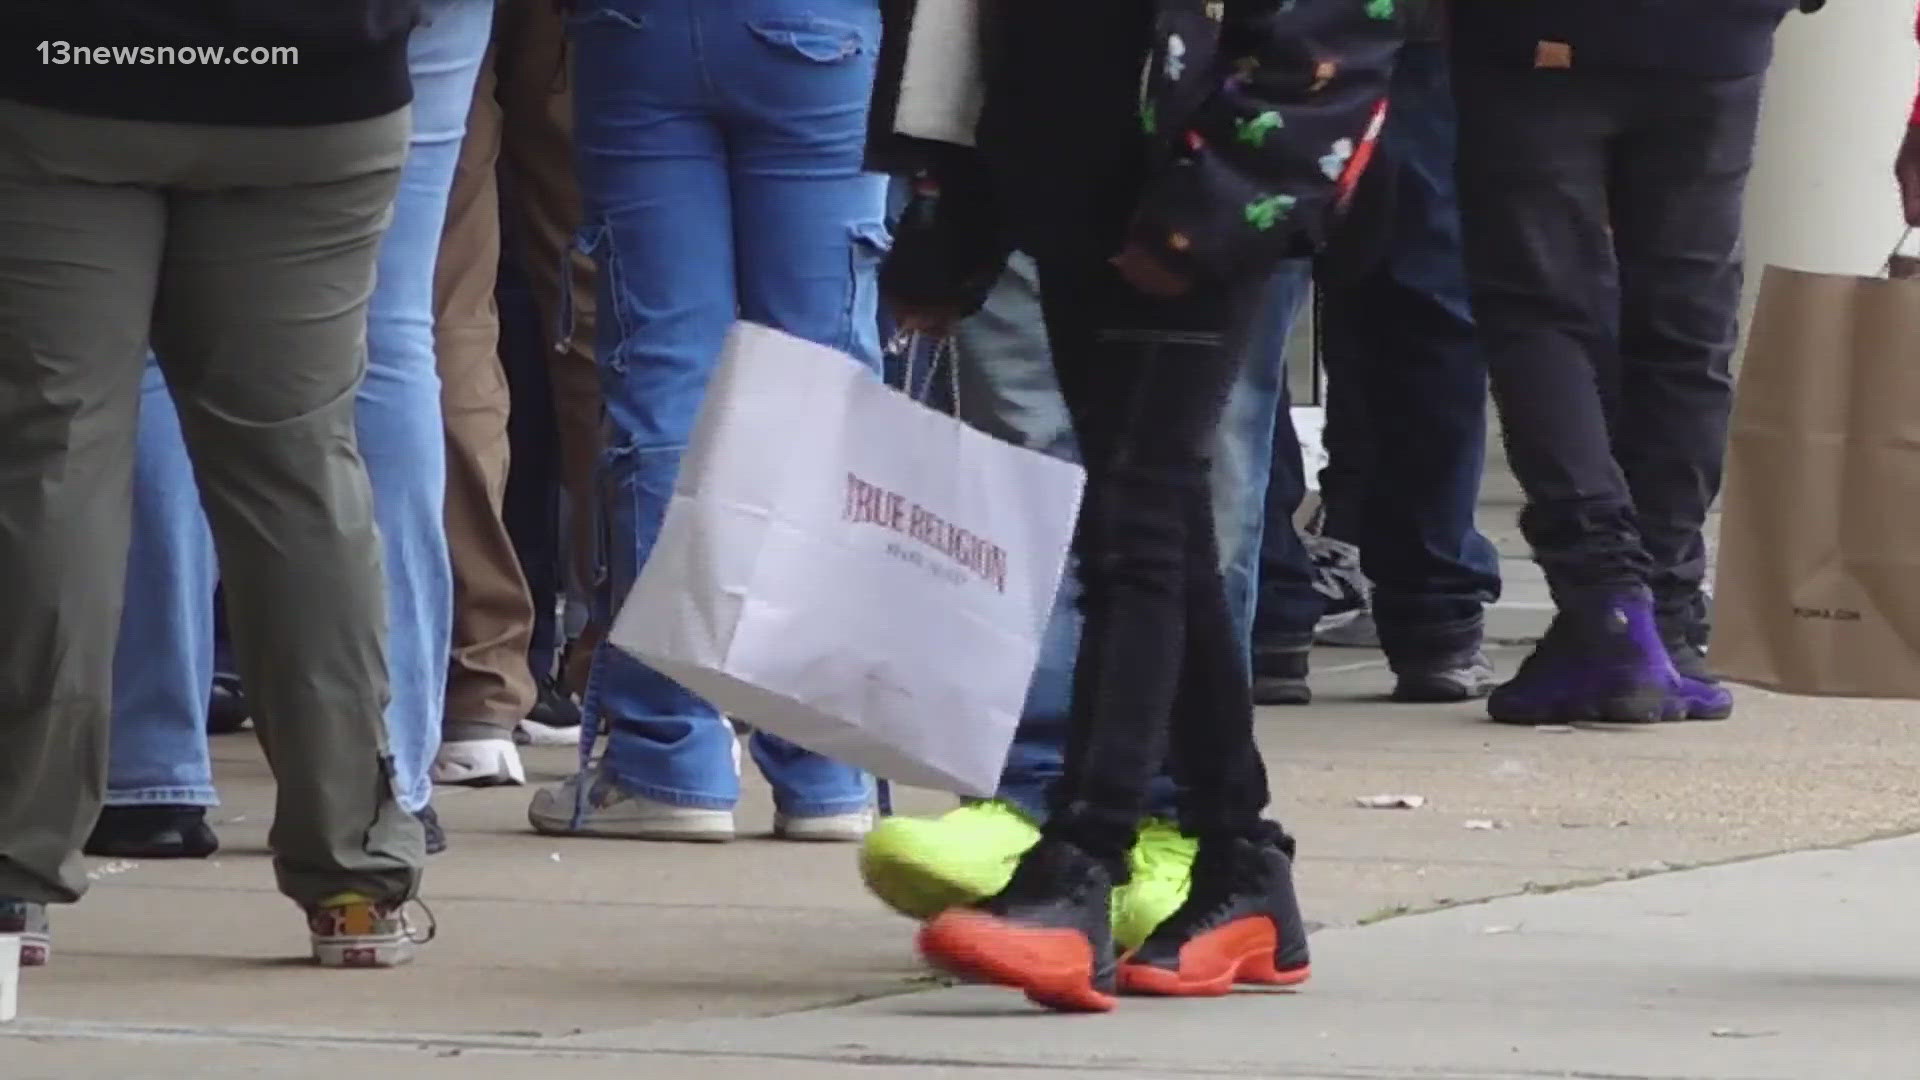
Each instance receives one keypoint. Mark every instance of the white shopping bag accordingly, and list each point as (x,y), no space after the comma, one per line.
(852,571)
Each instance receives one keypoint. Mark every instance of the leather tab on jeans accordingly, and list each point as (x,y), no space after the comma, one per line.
(1557,55)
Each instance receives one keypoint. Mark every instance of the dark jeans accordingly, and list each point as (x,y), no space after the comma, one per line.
(1602,217)
(1160,679)
(531,508)
(1407,394)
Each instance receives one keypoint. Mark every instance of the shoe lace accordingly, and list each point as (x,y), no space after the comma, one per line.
(412,929)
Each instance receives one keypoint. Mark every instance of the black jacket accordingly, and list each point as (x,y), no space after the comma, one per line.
(122,58)
(1257,118)
(1702,38)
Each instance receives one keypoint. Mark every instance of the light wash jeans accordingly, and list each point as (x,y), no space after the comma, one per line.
(720,146)
(163,669)
(1006,387)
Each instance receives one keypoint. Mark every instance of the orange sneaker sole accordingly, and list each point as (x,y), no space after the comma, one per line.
(1053,967)
(1240,952)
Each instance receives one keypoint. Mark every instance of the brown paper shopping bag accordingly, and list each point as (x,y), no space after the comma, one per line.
(1818,589)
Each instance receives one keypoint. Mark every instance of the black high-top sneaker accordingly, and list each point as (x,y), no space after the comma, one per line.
(1048,933)
(1241,924)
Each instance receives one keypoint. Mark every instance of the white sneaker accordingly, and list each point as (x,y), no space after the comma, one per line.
(479,763)
(824,828)
(531,732)
(615,812)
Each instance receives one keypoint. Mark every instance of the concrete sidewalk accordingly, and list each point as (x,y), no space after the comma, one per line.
(758,959)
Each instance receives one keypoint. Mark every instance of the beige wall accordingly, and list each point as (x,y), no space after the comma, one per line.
(1822,196)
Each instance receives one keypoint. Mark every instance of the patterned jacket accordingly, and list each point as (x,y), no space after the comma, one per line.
(1264,113)
(1260,116)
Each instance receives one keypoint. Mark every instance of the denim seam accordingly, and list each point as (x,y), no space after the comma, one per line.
(163,796)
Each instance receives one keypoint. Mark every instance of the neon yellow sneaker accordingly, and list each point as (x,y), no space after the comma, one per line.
(921,867)
(1162,867)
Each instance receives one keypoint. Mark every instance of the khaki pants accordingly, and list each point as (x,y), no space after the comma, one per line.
(521,119)
(246,256)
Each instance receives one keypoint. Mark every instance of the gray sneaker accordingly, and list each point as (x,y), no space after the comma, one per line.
(29,921)
(1465,677)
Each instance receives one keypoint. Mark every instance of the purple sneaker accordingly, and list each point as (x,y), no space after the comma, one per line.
(1703,695)
(1601,661)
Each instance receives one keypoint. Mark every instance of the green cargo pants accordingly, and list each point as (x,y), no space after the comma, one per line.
(245,257)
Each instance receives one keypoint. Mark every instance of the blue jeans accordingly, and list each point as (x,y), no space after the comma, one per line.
(1407,398)
(719,148)
(1007,388)
(164,666)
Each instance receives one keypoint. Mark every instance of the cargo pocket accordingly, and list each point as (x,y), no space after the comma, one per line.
(868,244)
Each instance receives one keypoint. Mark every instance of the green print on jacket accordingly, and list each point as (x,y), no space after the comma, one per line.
(1254,132)
(1265,213)
(1380,9)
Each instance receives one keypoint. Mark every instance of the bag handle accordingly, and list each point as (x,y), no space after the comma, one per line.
(1899,267)
(912,344)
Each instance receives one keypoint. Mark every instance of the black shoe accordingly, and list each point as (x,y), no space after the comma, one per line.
(1444,680)
(227,708)
(152,832)
(1241,924)
(1280,672)
(554,720)
(1049,932)
(436,836)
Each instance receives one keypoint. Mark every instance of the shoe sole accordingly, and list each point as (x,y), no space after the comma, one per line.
(717,830)
(482,769)
(535,733)
(1052,967)
(808,832)
(1281,692)
(1240,952)
(915,889)
(1435,693)
(1649,707)
(664,833)
(364,953)
(131,850)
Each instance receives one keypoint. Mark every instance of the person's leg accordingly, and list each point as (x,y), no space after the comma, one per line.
(537,116)
(272,238)
(1241,920)
(1401,350)
(531,507)
(401,434)
(809,229)
(1677,191)
(489,687)
(1534,158)
(1258,483)
(653,175)
(160,774)
(80,248)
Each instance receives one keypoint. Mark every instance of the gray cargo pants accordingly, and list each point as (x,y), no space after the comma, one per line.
(245,257)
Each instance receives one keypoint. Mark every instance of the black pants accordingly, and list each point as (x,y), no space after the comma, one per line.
(531,507)
(1602,220)
(1407,396)
(1160,680)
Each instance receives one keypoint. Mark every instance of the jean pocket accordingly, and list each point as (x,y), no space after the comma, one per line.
(823,41)
(868,244)
(604,18)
